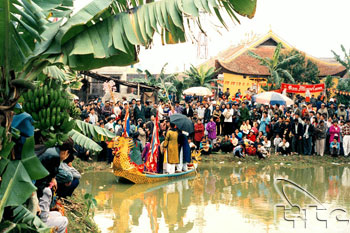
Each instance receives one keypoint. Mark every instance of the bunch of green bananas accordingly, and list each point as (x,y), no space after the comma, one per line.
(49,106)
(75,112)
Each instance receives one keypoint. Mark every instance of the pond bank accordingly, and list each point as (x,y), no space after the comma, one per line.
(295,160)
(76,207)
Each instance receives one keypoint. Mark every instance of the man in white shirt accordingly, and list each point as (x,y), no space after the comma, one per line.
(200,112)
(93,117)
(161,112)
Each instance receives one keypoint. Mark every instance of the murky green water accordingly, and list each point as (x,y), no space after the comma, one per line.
(227,197)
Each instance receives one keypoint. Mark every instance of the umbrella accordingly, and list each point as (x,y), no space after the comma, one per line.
(272,98)
(199,91)
(182,122)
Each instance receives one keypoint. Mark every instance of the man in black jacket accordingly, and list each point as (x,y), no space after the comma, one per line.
(188,111)
(139,111)
(278,128)
(307,136)
(148,110)
(298,132)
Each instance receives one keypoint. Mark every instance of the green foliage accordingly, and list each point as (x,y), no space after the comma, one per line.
(23,221)
(93,130)
(277,67)
(91,203)
(202,76)
(165,82)
(343,85)
(302,70)
(329,84)
(84,141)
(86,135)
(346,60)
(31,162)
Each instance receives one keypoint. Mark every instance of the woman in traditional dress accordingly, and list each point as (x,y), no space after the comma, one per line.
(171,156)
(136,150)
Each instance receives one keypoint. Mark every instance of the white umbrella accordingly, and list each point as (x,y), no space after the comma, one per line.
(272,98)
(199,91)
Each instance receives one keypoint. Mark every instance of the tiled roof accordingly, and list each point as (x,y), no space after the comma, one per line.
(245,64)
(237,60)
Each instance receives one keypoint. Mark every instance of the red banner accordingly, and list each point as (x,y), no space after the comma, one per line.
(293,88)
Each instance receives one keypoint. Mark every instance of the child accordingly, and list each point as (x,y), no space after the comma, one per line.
(239,151)
(250,149)
(283,147)
(205,146)
(192,145)
(262,152)
(267,144)
(335,147)
(276,143)
(251,136)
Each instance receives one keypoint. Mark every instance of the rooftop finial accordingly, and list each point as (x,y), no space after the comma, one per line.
(270,31)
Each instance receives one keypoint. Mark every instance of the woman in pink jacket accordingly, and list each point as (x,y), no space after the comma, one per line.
(334,130)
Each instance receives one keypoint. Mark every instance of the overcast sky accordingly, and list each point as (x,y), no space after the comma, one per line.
(313,26)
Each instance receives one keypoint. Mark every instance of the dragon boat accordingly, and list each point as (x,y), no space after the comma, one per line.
(126,171)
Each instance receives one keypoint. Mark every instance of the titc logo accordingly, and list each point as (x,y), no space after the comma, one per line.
(294,213)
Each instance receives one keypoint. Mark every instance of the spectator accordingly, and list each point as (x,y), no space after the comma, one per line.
(307,137)
(198,132)
(334,131)
(239,151)
(211,129)
(321,133)
(139,111)
(283,147)
(334,147)
(228,126)
(298,132)
(346,138)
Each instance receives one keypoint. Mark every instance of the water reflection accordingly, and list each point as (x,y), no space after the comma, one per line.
(221,198)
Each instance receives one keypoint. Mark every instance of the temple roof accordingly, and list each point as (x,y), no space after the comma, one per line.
(235,59)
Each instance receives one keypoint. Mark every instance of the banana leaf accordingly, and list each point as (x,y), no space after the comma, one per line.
(23,221)
(92,130)
(84,141)
(87,42)
(31,162)
(17,181)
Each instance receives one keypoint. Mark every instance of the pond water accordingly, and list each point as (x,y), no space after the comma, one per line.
(227,197)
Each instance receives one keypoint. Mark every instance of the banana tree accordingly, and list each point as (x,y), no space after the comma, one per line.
(276,67)
(163,81)
(344,61)
(202,76)
(36,35)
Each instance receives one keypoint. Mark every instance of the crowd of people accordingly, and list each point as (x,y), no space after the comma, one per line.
(231,124)
(227,124)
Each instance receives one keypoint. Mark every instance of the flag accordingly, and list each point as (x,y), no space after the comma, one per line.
(126,124)
(152,156)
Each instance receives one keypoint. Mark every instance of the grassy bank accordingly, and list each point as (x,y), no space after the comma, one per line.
(76,207)
(80,219)
(292,160)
